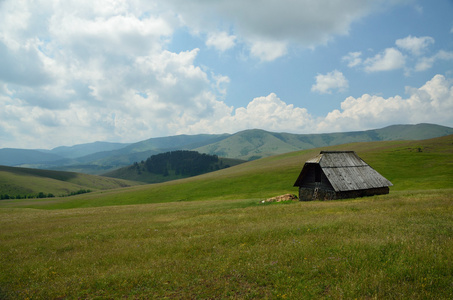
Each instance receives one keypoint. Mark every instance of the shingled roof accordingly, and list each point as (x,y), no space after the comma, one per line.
(346,171)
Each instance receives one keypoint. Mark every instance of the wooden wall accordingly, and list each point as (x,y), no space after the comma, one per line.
(307,193)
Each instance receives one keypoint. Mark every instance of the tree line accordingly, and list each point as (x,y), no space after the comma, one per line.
(41,195)
(181,162)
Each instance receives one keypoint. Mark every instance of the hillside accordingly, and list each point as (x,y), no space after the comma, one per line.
(12,157)
(173,165)
(409,165)
(86,149)
(244,145)
(254,144)
(214,239)
(26,182)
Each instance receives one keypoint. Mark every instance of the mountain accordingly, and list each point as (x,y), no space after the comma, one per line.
(99,158)
(62,155)
(12,157)
(86,149)
(173,142)
(255,143)
(142,150)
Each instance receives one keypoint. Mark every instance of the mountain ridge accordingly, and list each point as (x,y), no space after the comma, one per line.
(291,142)
(248,144)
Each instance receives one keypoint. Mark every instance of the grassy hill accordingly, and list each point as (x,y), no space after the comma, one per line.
(395,246)
(254,144)
(30,182)
(86,149)
(249,145)
(139,151)
(173,165)
(409,165)
(244,145)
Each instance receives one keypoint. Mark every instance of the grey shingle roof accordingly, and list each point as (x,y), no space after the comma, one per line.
(346,171)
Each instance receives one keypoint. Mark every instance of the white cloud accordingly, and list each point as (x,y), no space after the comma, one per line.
(97,68)
(79,71)
(269,113)
(425,63)
(388,60)
(391,58)
(415,45)
(353,59)
(431,103)
(331,81)
(220,83)
(307,23)
(144,113)
(268,51)
(221,41)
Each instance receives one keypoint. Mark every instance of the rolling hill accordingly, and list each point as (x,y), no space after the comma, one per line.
(86,149)
(244,145)
(216,240)
(25,182)
(173,165)
(253,144)
(409,165)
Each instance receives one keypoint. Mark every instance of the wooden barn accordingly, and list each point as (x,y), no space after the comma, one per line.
(338,175)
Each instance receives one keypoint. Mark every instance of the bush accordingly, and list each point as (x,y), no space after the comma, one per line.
(81,191)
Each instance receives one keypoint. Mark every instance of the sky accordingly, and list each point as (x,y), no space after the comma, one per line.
(80,71)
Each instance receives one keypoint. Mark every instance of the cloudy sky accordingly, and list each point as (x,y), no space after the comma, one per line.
(79,71)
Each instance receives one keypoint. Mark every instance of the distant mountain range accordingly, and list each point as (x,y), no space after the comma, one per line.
(101,157)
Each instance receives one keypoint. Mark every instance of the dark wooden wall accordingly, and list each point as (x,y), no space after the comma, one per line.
(309,180)
(307,193)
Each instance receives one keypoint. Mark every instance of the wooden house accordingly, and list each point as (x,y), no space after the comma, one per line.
(338,175)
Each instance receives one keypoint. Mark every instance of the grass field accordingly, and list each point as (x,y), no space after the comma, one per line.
(399,161)
(26,181)
(392,246)
(209,237)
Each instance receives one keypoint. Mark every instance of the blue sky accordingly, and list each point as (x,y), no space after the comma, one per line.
(74,72)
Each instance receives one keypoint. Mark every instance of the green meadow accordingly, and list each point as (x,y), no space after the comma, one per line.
(25,182)
(210,237)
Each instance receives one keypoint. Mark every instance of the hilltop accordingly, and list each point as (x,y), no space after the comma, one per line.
(254,144)
(99,158)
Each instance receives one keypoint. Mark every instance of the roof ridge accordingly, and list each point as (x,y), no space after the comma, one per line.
(332,167)
(339,151)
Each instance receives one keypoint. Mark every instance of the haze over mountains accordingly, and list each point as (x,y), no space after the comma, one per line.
(101,157)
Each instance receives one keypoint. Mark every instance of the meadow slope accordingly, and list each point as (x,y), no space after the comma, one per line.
(396,246)
(210,237)
(24,181)
(409,165)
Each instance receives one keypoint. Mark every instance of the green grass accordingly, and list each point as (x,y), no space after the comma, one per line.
(399,161)
(25,181)
(386,247)
(209,236)
(139,173)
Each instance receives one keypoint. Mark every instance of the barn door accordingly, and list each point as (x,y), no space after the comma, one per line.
(316,190)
